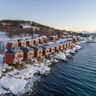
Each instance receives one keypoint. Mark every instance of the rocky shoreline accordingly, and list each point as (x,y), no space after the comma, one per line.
(23,80)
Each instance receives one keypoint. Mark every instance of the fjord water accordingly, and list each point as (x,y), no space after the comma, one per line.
(77,77)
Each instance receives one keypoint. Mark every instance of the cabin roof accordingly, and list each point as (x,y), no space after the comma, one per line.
(9,51)
(25,49)
(36,48)
(12,52)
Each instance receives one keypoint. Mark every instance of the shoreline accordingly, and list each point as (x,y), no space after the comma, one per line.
(23,78)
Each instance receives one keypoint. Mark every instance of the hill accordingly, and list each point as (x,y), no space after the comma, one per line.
(18,27)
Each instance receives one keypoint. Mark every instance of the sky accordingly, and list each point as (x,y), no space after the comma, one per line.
(75,15)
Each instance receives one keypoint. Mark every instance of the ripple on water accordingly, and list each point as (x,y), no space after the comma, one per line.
(75,78)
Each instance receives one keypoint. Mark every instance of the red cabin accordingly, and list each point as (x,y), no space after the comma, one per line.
(57,48)
(64,46)
(29,43)
(67,44)
(46,50)
(35,41)
(38,51)
(22,43)
(13,57)
(40,40)
(44,38)
(12,44)
(30,54)
(52,49)
(61,47)
(27,53)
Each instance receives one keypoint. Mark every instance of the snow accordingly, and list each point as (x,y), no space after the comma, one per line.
(61,56)
(16,80)
(61,41)
(11,84)
(4,36)
(78,47)
(51,43)
(2,91)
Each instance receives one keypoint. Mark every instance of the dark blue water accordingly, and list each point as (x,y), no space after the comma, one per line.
(75,78)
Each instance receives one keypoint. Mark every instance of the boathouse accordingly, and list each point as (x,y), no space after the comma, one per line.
(27,53)
(12,44)
(29,42)
(38,51)
(46,50)
(21,43)
(13,56)
(52,48)
(61,47)
(30,54)
(35,41)
(56,47)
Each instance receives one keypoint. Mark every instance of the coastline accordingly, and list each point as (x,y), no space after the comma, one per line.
(24,79)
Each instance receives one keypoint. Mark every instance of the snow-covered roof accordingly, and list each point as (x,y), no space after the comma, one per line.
(61,40)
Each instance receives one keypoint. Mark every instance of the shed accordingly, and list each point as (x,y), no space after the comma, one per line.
(12,44)
(46,50)
(61,47)
(27,53)
(65,45)
(35,41)
(57,47)
(38,51)
(29,43)
(21,43)
(52,48)
(13,56)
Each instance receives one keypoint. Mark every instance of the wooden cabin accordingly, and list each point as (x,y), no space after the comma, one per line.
(13,56)
(64,46)
(52,49)
(56,48)
(68,45)
(21,43)
(27,53)
(35,41)
(30,54)
(61,47)
(40,40)
(44,38)
(38,51)
(46,50)
(29,43)
(71,45)
(54,37)
(75,39)
(12,44)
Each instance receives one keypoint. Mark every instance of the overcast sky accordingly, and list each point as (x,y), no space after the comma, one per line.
(63,14)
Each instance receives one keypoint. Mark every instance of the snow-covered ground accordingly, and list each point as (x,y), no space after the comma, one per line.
(61,56)
(16,81)
(20,81)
